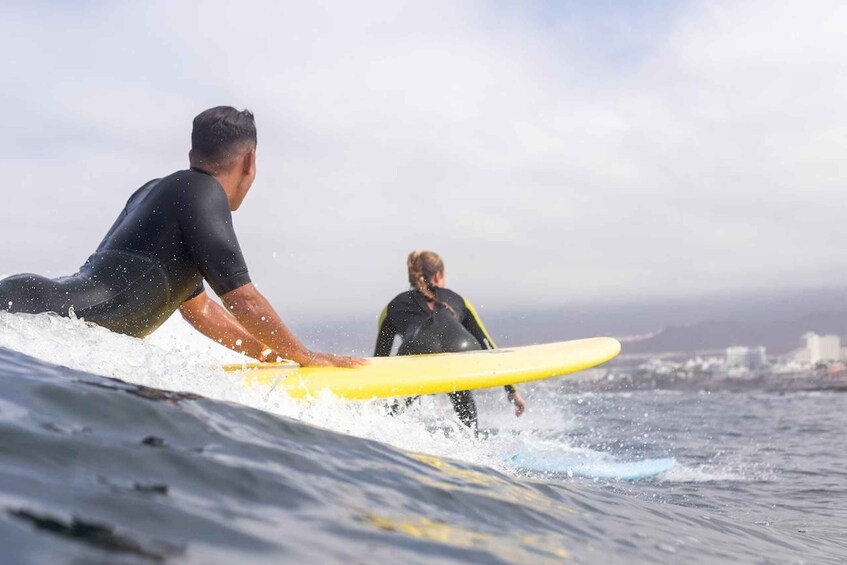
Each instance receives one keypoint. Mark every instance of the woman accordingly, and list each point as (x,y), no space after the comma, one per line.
(430,318)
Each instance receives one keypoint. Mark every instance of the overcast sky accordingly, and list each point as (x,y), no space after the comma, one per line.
(552,152)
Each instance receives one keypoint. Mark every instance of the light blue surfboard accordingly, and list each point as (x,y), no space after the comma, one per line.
(591,464)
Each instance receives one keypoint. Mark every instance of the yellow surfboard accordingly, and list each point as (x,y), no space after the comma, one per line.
(386,377)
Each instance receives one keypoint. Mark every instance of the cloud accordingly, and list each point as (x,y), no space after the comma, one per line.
(549,155)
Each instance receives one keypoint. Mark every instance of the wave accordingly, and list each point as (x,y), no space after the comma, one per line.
(117,449)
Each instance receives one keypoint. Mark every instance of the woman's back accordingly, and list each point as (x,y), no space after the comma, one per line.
(445,325)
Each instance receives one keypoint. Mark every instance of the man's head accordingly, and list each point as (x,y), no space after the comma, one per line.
(223,144)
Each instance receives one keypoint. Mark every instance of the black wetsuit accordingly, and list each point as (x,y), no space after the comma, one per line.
(426,330)
(173,233)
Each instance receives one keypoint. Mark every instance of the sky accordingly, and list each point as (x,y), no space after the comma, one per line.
(551,152)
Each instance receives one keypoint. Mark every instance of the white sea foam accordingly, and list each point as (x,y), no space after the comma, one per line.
(683,474)
(177,358)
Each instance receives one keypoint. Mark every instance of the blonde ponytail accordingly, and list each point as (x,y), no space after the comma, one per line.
(423,266)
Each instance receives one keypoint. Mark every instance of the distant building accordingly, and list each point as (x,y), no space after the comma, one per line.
(750,358)
(829,348)
(819,348)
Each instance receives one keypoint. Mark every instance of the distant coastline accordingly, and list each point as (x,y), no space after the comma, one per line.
(771,318)
(613,380)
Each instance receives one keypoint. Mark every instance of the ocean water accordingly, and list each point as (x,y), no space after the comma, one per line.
(117,450)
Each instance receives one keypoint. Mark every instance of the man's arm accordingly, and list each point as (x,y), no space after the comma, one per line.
(212,320)
(206,224)
(257,316)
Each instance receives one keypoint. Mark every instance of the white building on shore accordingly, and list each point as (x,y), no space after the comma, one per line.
(750,358)
(819,348)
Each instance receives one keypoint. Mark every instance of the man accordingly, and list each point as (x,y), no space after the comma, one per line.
(174,233)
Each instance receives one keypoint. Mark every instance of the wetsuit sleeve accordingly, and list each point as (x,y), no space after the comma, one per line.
(474,325)
(206,223)
(384,335)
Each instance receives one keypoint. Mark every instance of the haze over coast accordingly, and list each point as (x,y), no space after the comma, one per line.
(774,319)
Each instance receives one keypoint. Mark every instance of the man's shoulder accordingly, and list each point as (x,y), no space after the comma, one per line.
(189,178)
(188,186)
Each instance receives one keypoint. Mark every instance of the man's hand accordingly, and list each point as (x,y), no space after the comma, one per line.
(329,360)
(314,359)
(520,404)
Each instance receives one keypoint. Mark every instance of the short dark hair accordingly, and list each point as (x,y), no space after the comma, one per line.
(222,133)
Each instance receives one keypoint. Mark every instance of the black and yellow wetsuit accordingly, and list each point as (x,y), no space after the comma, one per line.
(173,233)
(435,330)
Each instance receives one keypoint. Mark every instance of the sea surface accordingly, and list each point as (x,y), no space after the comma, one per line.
(117,450)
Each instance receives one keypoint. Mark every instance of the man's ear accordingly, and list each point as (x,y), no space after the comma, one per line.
(248,162)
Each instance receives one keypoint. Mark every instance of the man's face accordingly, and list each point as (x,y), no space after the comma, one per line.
(248,175)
